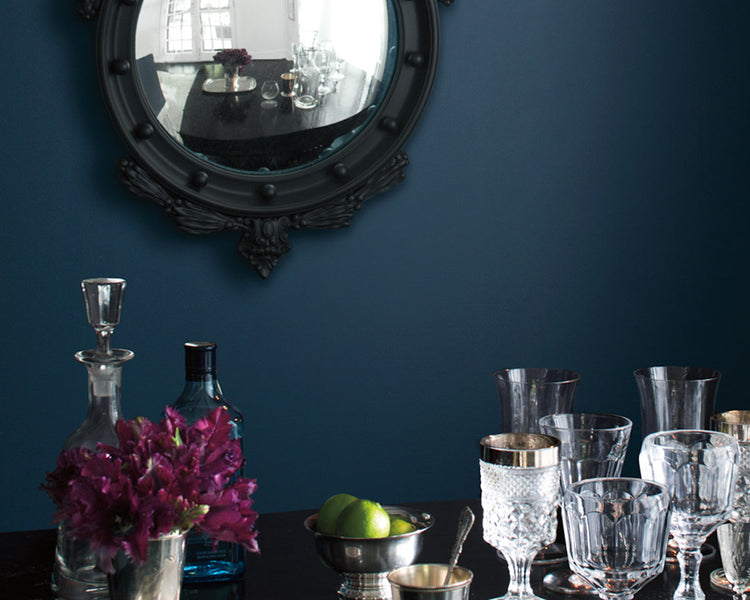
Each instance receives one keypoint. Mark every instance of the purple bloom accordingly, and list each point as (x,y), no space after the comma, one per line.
(233,57)
(163,477)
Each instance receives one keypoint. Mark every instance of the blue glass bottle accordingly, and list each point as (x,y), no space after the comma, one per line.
(202,394)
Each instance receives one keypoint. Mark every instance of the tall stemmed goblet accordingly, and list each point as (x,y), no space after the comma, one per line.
(520,485)
(617,531)
(734,536)
(676,397)
(699,469)
(525,395)
(592,445)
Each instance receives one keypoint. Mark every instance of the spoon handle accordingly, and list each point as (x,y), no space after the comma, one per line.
(465,523)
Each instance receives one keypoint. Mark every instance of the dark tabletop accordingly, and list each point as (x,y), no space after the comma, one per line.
(288,568)
(237,131)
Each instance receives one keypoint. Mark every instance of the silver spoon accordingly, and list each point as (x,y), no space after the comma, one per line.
(465,523)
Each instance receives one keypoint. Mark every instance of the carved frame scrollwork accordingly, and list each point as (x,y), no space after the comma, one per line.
(204,198)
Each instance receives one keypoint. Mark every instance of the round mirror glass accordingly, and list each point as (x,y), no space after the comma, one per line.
(264,85)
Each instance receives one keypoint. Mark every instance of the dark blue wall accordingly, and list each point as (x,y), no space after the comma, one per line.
(577,197)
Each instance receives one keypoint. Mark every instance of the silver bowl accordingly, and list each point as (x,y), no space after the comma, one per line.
(365,563)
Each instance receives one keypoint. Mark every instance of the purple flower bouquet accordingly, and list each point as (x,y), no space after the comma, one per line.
(233,57)
(165,477)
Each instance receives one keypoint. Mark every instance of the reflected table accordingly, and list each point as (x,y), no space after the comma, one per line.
(236,129)
(288,567)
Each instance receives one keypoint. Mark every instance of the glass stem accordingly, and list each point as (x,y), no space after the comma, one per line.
(520,576)
(689,558)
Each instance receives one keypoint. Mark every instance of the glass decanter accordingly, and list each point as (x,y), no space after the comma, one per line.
(75,576)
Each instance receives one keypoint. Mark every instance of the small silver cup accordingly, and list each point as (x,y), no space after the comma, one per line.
(426,582)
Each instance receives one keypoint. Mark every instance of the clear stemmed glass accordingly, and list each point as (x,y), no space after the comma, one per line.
(592,445)
(520,485)
(617,530)
(525,395)
(699,469)
(676,397)
(734,537)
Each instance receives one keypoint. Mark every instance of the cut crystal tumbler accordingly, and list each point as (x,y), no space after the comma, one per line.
(617,532)
(592,446)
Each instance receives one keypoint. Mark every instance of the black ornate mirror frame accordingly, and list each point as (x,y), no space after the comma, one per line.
(204,197)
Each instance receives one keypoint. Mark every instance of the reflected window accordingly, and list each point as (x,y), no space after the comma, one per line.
(196,29)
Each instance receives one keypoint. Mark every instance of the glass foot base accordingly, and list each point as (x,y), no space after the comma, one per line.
(554,554)
(720,583)
(564,581)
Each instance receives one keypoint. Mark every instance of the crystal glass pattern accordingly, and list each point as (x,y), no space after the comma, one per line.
(520,492)
(676,397)
(592,445)
(617,531)
(699,469)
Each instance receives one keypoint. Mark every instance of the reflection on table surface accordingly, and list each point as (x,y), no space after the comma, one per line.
(241,131)
(288,567)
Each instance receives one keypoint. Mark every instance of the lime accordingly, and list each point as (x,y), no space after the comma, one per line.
(330,511)
(400,525)
(363,519)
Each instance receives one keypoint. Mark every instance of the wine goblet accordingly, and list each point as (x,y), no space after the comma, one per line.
(699,468)
(592,445)
(676,397)
(525,395)
(734,537)
(616,530)
(520,489)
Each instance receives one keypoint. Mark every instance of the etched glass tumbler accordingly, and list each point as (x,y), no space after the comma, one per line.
(699,469)
(617,530)
(676,397)
(528,394)
(520,489)
(734,537)
(592,445)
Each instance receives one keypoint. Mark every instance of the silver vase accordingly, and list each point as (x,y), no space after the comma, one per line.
(159,578)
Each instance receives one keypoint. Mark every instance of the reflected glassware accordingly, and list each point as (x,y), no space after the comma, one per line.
(520,489)
(592,445)
(308,84)
(734,537)
(324,63)
(699,469)
(616,530)
(268,91)
(676,397)
(526,395)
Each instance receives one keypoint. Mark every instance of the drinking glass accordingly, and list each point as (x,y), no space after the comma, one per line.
(592,445)
(268,91)
(699,469)
(528,394)
(520,489)
(616,529)
(734,537)
(676,397)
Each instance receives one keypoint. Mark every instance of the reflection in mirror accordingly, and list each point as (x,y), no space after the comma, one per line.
(331,59)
